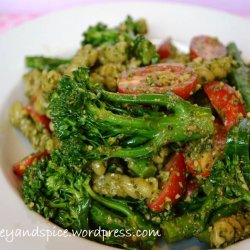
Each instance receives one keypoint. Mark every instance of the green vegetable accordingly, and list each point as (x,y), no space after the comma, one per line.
(188,224)
(85,114)
(109,221)
(135,141)
(240,75)
(141,167)
(144,51)
(238,143)
(56,193)
(226,211)
(227,178)
(40,62)
(101,34)
(106,219)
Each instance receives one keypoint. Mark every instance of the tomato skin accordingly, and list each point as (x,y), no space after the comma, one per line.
(201,166)
(175,187)
(165,49)
(42,119)
(220,136)
(184,91)
(20,167)
(159,79)
(227,102)
(206,47)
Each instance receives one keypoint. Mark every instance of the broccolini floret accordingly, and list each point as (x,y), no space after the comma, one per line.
(56,193)
(102,34)
(144,51)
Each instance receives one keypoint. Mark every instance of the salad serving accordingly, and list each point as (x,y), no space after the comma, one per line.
(139,140)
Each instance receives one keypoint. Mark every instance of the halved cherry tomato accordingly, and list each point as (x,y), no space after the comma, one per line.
(42,119)
(20,167)
(165,50)
(175,186)
(227,102)
(201,164)
(159,78)
(206,47)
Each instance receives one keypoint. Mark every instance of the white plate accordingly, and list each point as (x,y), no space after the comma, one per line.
(58,34)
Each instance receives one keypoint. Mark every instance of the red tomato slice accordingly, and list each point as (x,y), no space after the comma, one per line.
(159,78)
(175,186)
(20,167)
(227,102)
(165,49)
(207,48)
(202,164)
(42,119)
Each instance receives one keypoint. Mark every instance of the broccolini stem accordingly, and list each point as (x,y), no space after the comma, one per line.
(201,116)
(57,205)
(189,122)
(135,220)
(226,211)
(140,151)
(174,130)
(241,192)
(180,228)
(136,140)
(141,134)
(105,201)
(194,120)
(189,224)
(169,100)
(194,222)
(106,219)
(120,120)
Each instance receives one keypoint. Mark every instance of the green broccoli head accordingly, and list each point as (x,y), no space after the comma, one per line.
(228,180)
(57,193)
(101,34)
(143,50)
(33,186)
(67,104)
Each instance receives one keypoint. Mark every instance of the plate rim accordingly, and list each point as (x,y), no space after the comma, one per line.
(123,2)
